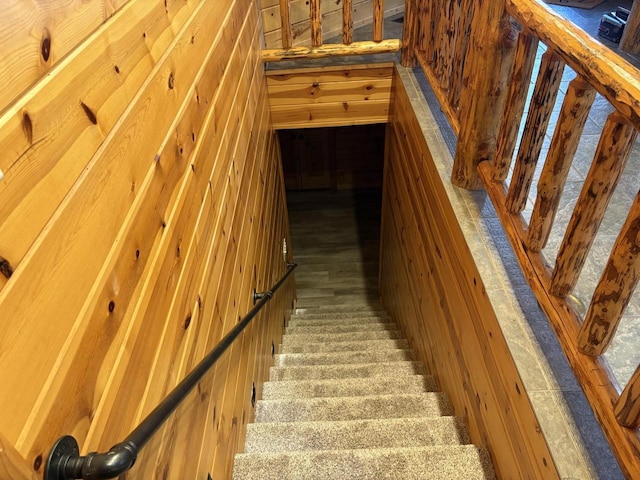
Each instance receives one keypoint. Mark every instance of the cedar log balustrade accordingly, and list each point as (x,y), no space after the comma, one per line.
(478,57)
(319,50)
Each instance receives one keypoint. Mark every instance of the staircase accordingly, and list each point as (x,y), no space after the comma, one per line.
(347,398)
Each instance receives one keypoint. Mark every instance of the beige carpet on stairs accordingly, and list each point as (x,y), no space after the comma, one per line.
(347,399)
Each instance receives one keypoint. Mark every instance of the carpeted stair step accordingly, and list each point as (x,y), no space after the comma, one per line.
(331,315)
(348,387)
(374,327)
(428,404)
(363,370)
(344,346)
(384,433)
(344,358)
(451,462)
(354,309)
(330,300)
(304,338)
(318,322)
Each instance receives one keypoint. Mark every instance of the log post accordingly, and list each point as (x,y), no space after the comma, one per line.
(378,20)
(574,113)
(485,77)
(614,147)
(12,465)
(316,23)
(524,59)
(285,21)
(615,288)
(542,103)
(630,41)
(347,22)
(410,33)
(627,409)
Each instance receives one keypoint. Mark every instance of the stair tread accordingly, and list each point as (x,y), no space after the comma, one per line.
(342,328)
(380,433)
(304,338)
(409,405)
(350,357)
(345,346)
(347,387)
(309,322)
(438,462)
(317,372)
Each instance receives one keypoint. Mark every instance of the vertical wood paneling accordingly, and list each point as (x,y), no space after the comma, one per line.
(431,286)
(182,232)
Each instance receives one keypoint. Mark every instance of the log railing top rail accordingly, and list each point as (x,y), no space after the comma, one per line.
(611,75)
(317,48)
(65,462)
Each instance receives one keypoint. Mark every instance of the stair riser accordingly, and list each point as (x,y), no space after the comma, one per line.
(301,339)
(343,358)
(321,322)
(350,371)
(376,327)
(345,346)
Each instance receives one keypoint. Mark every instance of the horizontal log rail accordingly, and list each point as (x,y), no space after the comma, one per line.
(317,48)
(479,58)
(64,461)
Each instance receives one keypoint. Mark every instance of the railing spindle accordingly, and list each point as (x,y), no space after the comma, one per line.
(441,40)
(465,12)
(378,20)
(524,59)
(425,25)
(285,20)
(347,22)
(542,103)
(409,34)
(630,41)
(614,147)
(573,116)
(615,288)
(453,15)
(627,410)
(316,23)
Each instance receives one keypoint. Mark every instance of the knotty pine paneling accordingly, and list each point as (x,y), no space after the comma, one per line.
(331,19)
(430,284)
(138,221)
(330,96)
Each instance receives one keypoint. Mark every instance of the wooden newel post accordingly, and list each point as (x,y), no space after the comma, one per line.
(485,85)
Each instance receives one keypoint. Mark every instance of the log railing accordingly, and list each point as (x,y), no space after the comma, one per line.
(317,48)
(479,57)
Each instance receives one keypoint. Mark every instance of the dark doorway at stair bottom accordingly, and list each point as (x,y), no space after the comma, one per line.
(334,188)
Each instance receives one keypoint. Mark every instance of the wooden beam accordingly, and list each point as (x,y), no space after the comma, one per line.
(332,50)
(630,41)
(316,23)
(378,20)
(628,406)
(524,59)
(486,74)
(347,22)
(535,129)
(285,20)
(616,142)
(614,290)
(574,113)
(613,77)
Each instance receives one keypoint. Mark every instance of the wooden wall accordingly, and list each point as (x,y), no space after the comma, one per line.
(142,201)
(330,96)
(430,284)
(331,14)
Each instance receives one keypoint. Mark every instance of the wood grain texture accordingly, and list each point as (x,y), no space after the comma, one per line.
(332,50)
(430,285)
(611,156)
(535,128)
(443,99)
(410,34)
(316,23)
(523,61)
(463,32)
(485,77)
(592,373)
(566,137)
(614,290)
(12,465)
(347,21)
(38,35)
(630,41)
(613,77)
(330,96)
(184,228)
(627,408)
(378,20)
(285,24)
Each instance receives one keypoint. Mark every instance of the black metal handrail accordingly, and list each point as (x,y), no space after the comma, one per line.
(65,462)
